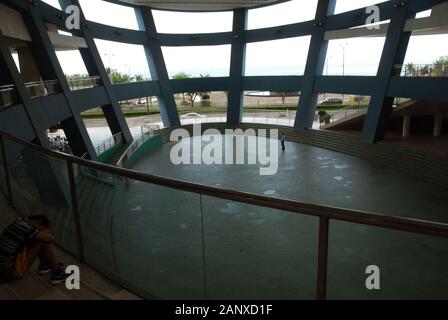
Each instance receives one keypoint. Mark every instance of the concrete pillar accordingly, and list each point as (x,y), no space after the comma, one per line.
(406,125)
(28,67)
(438,124)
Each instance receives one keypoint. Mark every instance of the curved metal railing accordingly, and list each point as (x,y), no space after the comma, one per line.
(151,132)
(324,213)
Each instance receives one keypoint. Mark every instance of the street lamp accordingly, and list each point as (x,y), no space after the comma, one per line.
(110,55)
(328,65)
(343,65)
(343,57)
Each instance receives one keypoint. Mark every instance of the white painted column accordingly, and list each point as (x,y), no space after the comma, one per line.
(438,125)
(406,125)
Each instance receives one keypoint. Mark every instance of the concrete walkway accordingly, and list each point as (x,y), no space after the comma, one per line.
(33,287)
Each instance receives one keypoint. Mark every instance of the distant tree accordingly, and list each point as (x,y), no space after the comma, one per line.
(205,95)
(140,78)
(182,76)
(440,67)
(410,69)
(192,96)
(424,71)
(118,77)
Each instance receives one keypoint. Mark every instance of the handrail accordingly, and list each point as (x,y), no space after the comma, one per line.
(136,144)
(84,82)
(326,212)
(109,143)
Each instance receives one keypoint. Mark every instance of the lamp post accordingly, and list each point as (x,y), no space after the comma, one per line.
(343,65)
(343,57)
(327,72)
(110,55)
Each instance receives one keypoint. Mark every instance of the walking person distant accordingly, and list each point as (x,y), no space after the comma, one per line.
(283,138)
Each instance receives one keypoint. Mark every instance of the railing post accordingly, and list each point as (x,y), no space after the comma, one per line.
(75,206)
(5,168)
(322,259)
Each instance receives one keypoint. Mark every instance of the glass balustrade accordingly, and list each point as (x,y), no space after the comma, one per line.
(149,235)
(410,266)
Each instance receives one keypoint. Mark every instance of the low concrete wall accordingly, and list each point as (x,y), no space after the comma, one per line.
(147,147)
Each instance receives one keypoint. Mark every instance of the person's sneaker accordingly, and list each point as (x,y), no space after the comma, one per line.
(43,270)
(59,276)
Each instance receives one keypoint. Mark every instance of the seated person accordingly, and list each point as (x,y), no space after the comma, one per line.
(21,243)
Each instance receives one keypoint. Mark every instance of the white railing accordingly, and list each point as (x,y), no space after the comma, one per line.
(83,82)
(7,95)
(109,143)
(42,88)
(148,131)
(340,114)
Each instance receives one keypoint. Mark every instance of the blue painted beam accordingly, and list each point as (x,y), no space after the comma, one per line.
(50,69)
(53,107)
(35,116)
(14,120)
(393,55)
(135,90)
(280,32)
(87,99)
(358,85)
(273,83)
(430,89)
(91,56)
(203,39)
(200,84)
(357,17)
(109,33)
(157,67)
(314,66)
(237,67)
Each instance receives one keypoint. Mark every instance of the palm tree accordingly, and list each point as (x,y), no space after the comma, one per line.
(424,71)
(118,77)
(205,95)
(181,76)
(441,66)
(410,69)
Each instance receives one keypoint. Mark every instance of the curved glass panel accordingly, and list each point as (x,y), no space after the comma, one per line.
(53,3)
(281,14)
(213,61)
(354,56)
(421,62)
(349,5)
(277,57)
(408,266)
(109,14)
(192,22)
(71,63)
(128,61)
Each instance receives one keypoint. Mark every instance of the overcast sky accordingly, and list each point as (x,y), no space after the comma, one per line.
(280,57)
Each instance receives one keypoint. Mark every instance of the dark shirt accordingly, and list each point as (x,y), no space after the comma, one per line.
(12,241)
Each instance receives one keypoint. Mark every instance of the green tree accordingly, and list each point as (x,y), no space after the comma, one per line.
(118,77)
(182,76)
(441,67)
(424,71)
(410,69)
(140,78)
(205,95)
